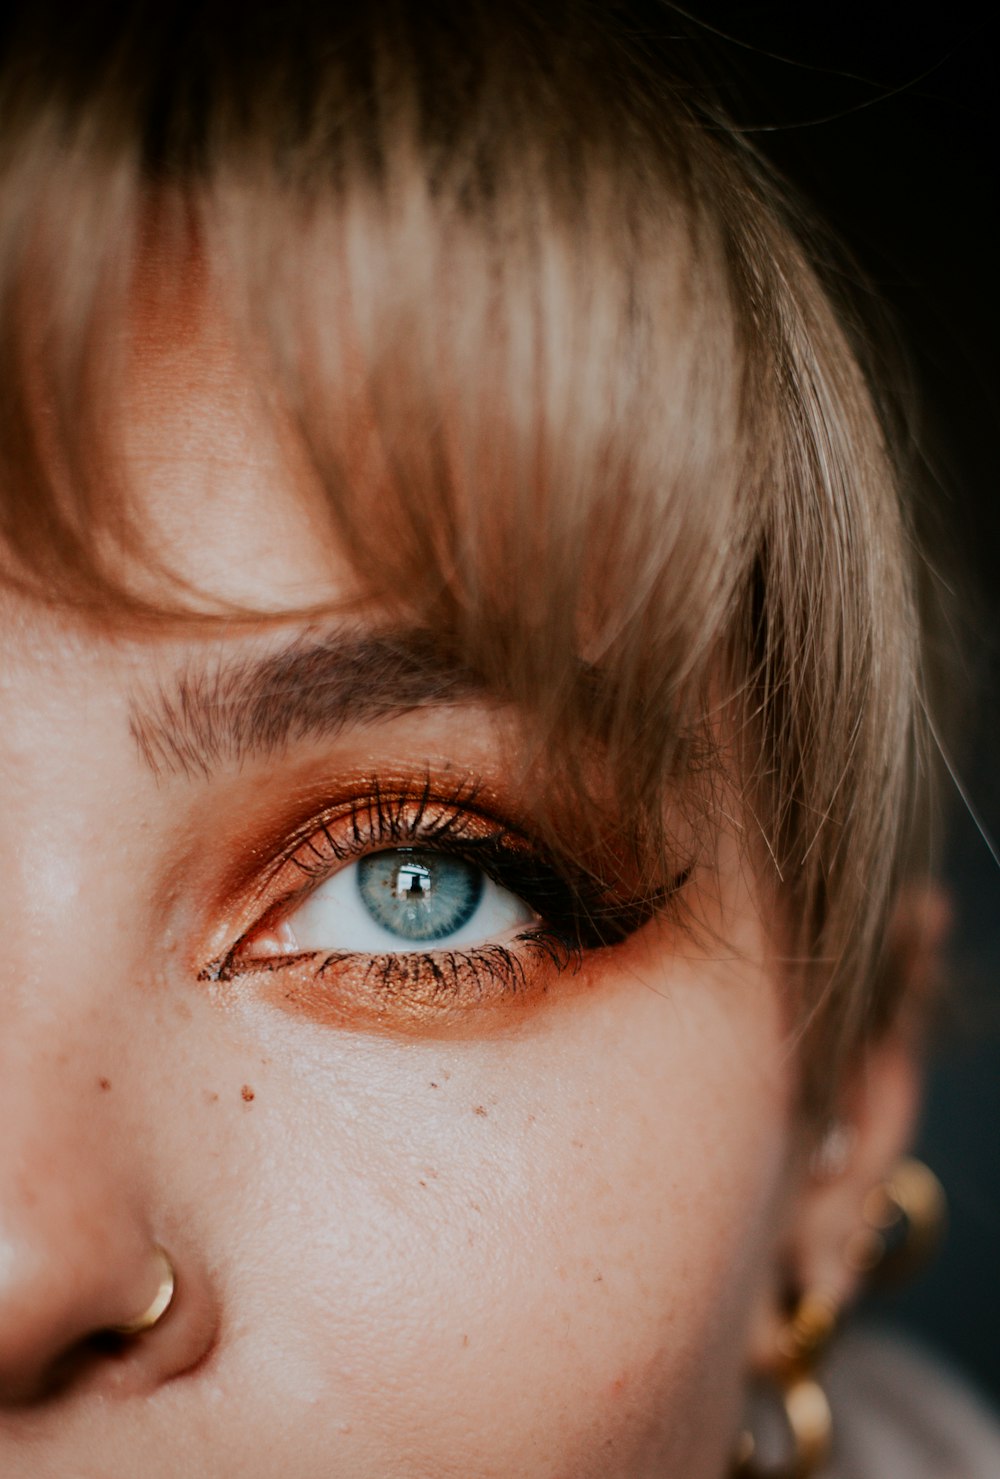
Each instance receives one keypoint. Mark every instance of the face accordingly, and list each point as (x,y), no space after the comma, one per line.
(288,991)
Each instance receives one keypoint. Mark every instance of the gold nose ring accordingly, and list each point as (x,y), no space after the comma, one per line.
(158,1305)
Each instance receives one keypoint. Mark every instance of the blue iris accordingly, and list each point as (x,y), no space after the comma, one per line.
(417,894)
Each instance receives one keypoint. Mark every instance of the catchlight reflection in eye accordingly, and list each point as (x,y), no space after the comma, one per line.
(404,899)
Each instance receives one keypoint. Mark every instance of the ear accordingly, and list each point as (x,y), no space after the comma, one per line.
(878,1109)
(861,1148)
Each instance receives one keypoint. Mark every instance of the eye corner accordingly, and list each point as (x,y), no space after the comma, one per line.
(216,971)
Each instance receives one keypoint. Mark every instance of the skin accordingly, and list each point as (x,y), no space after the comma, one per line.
(540,1238)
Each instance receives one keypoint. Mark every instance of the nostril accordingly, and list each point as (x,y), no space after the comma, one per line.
(104,1351)
(107,1357)
(105,1343)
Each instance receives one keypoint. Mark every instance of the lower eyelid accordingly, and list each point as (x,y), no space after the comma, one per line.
(450,991)
(443,976)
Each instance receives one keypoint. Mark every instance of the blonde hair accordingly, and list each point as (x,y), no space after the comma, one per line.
(516,285)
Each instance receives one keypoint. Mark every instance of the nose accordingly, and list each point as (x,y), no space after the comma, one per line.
(92,1295)
(94,1172)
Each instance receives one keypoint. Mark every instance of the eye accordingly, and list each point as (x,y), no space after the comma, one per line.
(398,900)
(401,906)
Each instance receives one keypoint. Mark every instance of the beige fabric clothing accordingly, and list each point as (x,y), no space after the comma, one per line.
(899,1415)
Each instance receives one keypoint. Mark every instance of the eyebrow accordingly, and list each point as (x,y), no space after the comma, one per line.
(242,708)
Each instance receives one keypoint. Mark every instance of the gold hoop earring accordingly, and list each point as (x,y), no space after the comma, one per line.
(805,1409)
(158,1305)
(905,1218)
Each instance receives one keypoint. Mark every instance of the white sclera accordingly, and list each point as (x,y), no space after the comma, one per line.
(335,917)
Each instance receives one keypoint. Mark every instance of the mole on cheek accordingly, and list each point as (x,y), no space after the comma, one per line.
(104,1084)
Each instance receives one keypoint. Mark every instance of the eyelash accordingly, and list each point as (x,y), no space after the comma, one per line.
(577,910)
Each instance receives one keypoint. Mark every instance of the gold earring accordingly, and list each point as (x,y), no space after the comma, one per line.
(905,1218)
(158,1305)
(804,1404)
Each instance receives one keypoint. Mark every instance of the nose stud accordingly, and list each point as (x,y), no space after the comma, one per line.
(158,1305)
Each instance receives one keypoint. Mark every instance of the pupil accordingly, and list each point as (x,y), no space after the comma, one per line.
(419,895)
(413,879)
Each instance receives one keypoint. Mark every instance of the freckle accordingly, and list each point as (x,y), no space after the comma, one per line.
(480,1109)
(446,1076)
(423,1184)
(210,1096)
(465,1341)
(247,1093)
(475,1207)
(577,1144)
(433,1086)
(531,1119)
(598,1278)
(104,1084)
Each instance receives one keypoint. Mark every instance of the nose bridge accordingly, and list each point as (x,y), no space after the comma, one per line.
(69,880)
(62,968)
(69,960)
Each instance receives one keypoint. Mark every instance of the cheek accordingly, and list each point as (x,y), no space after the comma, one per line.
(534,1256)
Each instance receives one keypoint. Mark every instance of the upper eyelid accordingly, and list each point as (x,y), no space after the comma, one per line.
(476,846)
(321,819)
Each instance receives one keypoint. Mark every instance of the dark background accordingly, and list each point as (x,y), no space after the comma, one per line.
(883,116)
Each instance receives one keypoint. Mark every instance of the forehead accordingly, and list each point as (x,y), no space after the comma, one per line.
(221,490)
